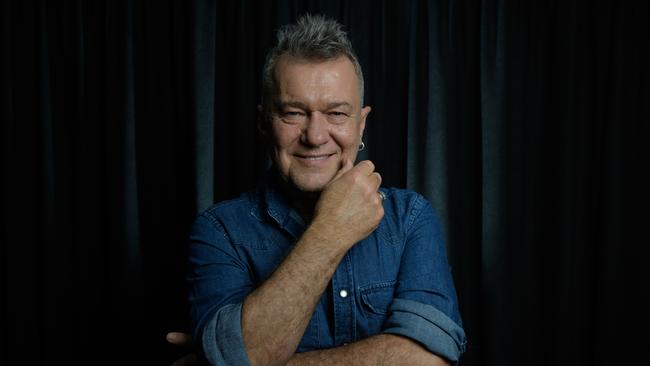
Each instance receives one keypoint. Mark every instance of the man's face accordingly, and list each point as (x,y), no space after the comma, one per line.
(317,120)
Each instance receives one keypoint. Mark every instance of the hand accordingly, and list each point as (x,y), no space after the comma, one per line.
(350,208)
(183,340)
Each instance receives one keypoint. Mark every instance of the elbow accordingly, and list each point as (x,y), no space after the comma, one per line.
(221,339)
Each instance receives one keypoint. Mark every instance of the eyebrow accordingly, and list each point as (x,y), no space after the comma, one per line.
(297,104)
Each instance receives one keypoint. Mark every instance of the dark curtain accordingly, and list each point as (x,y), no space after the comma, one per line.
(525,123)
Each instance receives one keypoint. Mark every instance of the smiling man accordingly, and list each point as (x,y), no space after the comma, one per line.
(320,265)
(317,119)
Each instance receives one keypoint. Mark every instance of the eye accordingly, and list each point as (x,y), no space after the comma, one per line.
(293,116)
(337,116)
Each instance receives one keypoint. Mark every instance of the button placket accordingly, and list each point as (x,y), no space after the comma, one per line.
(344,316)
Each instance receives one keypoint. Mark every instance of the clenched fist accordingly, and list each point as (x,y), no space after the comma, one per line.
(350,207)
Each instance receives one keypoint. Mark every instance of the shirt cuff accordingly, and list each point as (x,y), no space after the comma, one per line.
(223,343)
(428,326)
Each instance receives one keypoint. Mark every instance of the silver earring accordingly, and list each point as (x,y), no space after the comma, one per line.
(362,146)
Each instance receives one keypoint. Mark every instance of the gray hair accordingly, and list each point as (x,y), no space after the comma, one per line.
(312,37)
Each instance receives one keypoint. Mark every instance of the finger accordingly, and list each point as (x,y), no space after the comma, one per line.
(376,178)
(346,165)
(179,339)
(382,196)
(366,167)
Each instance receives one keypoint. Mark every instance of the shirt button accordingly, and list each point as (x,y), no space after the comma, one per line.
(343,294)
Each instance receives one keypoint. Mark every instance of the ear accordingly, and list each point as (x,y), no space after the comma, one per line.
(364,113)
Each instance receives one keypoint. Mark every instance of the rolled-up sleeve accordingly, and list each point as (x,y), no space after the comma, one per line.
(222,338)
(425,306)
(218,283)
(427,325)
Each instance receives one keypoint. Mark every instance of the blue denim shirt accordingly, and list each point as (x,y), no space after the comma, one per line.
(396,281)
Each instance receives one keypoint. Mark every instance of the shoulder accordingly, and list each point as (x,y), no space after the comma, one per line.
(237,207)
(229,215)
(407,208)
(405,200)
(230,221)
(402,195)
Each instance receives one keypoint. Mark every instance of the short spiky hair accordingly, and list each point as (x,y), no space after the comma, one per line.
(312,37)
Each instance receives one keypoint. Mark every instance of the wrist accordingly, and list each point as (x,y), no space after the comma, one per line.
(322,235)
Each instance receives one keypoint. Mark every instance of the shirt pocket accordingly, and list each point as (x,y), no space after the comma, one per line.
(376,297)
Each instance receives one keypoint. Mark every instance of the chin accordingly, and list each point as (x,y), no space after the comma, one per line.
(311,184)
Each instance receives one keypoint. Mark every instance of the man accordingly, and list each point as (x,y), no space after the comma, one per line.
(320,265)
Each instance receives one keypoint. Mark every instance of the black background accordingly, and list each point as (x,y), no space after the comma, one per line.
(525,123)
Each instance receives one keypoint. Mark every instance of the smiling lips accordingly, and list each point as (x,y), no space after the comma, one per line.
(313,159)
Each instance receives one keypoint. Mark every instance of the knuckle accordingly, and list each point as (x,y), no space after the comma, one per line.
(367,164)
(371,191)
(379,177)
(356,177)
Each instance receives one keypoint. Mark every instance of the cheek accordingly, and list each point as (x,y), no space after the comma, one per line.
(347,137)
(285,136)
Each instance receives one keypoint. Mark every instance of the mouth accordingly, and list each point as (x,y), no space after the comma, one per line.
(313,159)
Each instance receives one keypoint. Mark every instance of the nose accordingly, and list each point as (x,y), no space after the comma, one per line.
(316,131)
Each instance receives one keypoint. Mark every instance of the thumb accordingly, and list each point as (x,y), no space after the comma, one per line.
(346,165)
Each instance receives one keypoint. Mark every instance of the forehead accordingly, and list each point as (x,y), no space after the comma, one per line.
(317,79)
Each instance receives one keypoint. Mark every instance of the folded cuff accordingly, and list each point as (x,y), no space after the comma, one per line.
(428,326)
(223,343)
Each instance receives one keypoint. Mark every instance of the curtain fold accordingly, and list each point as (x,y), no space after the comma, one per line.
(202,99)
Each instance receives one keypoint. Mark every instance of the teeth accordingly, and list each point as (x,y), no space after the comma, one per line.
(316,158)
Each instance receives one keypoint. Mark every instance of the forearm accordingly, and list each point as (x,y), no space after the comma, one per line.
(275,315)
(382,349)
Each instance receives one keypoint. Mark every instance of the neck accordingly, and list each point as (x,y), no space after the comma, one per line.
(303,202)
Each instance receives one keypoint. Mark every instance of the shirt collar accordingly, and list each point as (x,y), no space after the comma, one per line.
(278,208)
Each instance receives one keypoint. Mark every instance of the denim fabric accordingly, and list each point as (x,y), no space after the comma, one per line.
(397,280)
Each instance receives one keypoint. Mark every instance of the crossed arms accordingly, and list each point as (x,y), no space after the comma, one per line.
(274,316)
